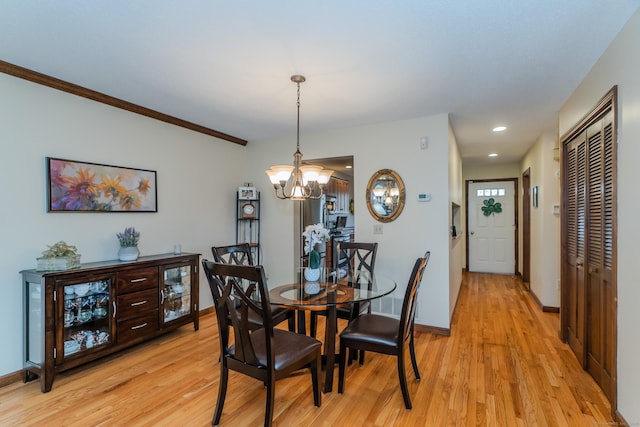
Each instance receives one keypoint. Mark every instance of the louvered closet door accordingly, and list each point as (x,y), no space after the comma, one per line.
(600,244)
(575,170)
(589,249)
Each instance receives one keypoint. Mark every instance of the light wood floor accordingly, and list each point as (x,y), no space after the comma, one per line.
(503,365)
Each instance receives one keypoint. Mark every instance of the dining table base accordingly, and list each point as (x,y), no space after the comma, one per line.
(329,356)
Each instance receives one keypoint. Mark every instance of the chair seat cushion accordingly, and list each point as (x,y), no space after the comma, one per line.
(289,347)
(373,329)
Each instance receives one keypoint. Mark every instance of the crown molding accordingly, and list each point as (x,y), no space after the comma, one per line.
(84,92)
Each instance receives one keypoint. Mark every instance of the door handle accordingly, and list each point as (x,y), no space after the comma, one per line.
(579,264)
(472,233)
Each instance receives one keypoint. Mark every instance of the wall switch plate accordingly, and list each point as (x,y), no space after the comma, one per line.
(377,229)
(424,143)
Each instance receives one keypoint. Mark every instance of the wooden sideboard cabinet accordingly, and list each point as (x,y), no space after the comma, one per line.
(75,316)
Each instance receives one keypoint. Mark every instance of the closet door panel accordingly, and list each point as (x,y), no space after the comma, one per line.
(575,233)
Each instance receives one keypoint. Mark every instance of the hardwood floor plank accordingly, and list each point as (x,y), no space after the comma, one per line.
(502,365)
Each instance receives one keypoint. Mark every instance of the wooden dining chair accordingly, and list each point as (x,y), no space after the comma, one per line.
(266,354)
(382,334)
(240,254)
(351,258)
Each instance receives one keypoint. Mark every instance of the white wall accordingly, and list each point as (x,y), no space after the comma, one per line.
(421,226)
(620,65)
(545,226)
(197,179)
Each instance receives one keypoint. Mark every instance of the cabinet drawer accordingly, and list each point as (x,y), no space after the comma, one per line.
(138,327)
(135,280)
(136,303)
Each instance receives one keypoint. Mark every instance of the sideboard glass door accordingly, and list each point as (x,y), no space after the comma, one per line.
(176,293)
(86,316)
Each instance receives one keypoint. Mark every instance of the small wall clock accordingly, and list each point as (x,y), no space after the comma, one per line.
(248,210)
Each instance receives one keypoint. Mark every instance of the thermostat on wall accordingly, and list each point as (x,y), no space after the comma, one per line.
(424,197)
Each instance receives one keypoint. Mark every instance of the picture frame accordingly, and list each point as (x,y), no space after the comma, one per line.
(79,186)
(534,196)
(247,193)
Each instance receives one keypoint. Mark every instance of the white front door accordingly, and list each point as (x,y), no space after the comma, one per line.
(492,236)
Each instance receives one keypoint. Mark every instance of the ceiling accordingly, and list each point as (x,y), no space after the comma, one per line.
(226,65)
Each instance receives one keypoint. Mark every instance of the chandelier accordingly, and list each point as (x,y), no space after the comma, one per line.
(298,182)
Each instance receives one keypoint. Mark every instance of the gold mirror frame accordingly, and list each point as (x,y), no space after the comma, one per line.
(385,195)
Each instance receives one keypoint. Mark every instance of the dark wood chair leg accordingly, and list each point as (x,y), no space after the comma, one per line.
(271,398)
(316,367)
(361,357)
(222,393)
(341,367)
(292,323)
(412,351)
(403,380)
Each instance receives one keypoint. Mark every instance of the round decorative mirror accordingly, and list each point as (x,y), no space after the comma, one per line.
(385,195)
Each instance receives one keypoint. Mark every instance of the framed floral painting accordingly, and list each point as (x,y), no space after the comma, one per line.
(74,186)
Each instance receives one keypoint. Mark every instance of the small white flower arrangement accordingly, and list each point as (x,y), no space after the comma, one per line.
(313,234)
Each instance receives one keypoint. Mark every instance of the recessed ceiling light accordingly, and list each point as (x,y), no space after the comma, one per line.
(493,155)
(499,128)
(348,166)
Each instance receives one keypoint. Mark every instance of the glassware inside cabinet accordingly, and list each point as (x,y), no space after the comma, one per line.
(176,293)
(87,320)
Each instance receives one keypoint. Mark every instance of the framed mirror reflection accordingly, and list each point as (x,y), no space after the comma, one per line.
(385,195)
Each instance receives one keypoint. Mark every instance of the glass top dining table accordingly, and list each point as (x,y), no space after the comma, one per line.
(326,294)
(328,291)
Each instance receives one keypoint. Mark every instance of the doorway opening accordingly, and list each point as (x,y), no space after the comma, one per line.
(334,209)
(492,225)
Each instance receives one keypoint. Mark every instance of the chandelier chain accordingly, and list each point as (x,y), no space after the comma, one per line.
(298,127)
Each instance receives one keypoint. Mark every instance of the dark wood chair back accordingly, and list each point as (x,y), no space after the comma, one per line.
(235,302)
(239,254)
(350,259)
(408,314)
(266,353)
(353,257)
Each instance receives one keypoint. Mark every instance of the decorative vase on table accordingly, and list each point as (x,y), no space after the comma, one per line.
(312,273)
(128,253)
